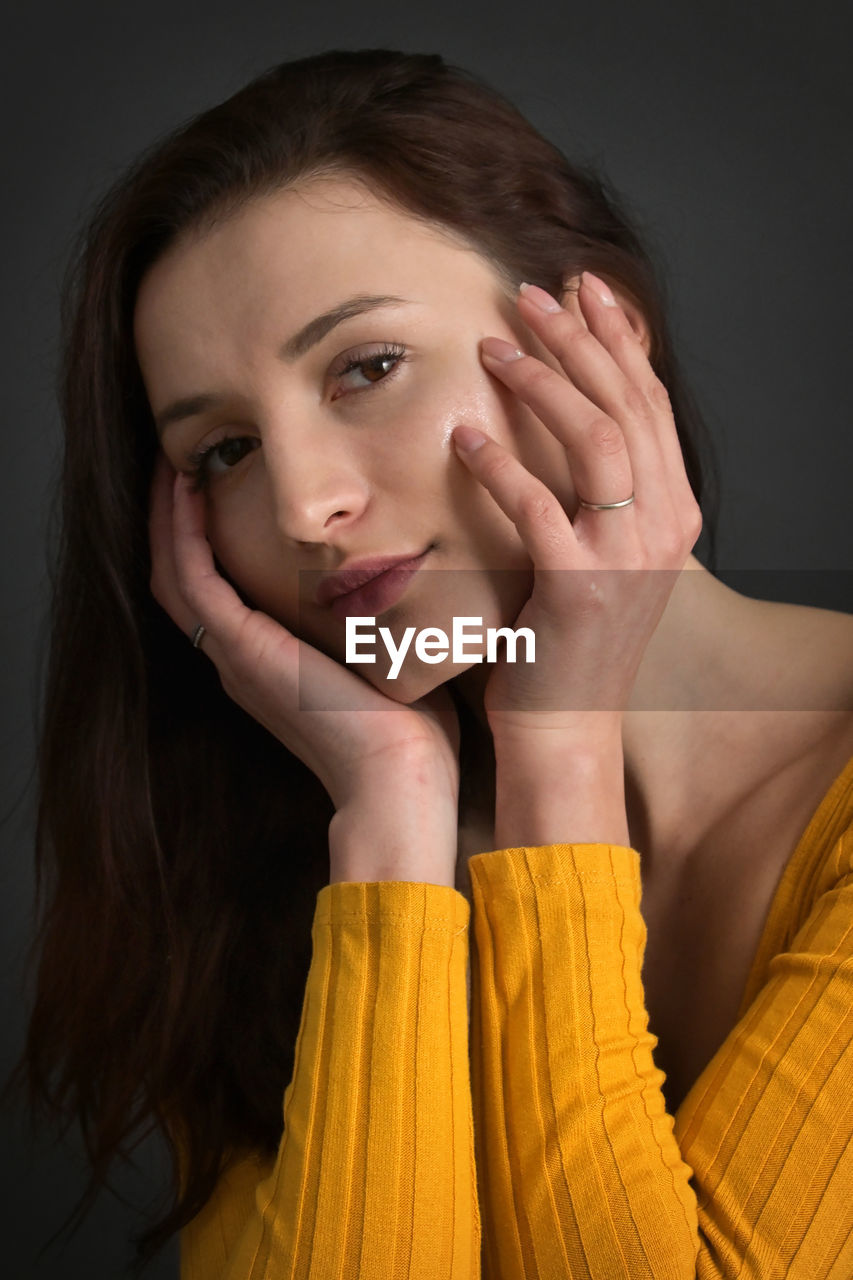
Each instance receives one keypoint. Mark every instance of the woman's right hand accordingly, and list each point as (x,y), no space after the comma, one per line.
(392,774)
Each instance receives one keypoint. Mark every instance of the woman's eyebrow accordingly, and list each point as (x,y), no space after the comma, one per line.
(305,338)
(315,330)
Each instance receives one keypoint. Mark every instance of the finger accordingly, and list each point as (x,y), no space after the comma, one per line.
(552,541)
(588,336)
(206,596)
(164,584)
(607,319)
(595,445)
(165,576)
(258,660)
(611,326)
(574,336)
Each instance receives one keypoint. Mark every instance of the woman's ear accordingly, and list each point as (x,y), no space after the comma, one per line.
(636,319)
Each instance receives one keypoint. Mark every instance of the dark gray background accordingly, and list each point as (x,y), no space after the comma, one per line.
(728,127)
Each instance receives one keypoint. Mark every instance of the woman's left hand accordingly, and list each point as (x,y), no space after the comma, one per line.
(603,578)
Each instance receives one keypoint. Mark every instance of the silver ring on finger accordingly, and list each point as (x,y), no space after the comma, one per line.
(197,635)
(606,506)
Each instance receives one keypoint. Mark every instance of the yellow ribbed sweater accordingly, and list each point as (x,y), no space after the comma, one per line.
(551,1149)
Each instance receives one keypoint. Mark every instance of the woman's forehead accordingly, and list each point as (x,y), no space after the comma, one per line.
(216,306)
(306,247)
(326,215)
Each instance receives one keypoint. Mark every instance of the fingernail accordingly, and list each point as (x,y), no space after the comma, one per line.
(467,439)
(599,287)
(500,350)
(543,300)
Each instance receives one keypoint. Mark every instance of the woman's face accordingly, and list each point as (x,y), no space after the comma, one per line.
(323,345)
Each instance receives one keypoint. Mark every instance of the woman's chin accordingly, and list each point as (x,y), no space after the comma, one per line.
(415,679)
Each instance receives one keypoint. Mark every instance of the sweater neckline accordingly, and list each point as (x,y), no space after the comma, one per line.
(830,818)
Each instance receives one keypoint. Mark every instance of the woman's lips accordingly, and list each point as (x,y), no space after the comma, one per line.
(378,594)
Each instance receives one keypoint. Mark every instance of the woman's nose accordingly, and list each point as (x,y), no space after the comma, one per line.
(318,488)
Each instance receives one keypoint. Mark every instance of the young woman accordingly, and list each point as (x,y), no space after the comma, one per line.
(359,343)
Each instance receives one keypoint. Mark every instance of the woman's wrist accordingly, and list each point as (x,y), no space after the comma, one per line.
(563,783)
(401,827)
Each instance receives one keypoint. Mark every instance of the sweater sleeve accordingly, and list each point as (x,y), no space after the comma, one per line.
(375,1173)
(583,1173)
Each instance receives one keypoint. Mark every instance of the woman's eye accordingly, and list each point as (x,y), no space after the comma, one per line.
(366,371)
(216,459)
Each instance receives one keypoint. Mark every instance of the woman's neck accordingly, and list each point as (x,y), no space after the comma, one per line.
(682,721)
(691,752)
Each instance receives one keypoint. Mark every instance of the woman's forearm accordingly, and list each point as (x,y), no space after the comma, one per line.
(561,785)
(580,1174)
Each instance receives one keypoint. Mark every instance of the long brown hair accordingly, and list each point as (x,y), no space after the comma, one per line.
(180,847)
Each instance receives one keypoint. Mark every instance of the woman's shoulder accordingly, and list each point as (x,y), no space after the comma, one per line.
(797,734)
(794,751)
(811,655)
(772,762)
